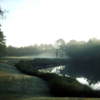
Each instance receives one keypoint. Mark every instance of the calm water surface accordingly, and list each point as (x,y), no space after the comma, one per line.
(82,80)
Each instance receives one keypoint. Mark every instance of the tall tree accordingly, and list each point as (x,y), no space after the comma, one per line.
(2,40)
(60,48)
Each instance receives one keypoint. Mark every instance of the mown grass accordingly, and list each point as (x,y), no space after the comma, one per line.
(23,84)
(16,84)
(9,69)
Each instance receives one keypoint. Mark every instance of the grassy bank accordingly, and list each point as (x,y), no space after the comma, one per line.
(16,84)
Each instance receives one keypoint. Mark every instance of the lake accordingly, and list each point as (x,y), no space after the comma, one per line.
(61,70)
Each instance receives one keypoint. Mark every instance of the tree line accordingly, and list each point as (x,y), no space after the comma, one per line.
(84,50)
(29,50)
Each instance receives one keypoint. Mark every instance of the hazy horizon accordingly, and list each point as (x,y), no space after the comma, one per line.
(30,22)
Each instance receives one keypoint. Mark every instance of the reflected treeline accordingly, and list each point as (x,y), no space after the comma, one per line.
(90,71)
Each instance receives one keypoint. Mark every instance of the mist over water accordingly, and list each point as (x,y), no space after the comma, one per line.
(42,55)
(46,55)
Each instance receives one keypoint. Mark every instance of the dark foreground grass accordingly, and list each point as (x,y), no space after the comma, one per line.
(45,98)
(49,98)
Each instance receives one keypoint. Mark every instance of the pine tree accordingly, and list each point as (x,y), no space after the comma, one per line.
(2,39)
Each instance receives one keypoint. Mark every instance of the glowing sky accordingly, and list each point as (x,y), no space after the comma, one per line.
(44,21)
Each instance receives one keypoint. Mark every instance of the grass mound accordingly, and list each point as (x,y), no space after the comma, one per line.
(23,85)
(13,82)
(9,69)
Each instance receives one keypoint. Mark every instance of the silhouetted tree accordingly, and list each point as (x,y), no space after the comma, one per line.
(2,39)
(60,48)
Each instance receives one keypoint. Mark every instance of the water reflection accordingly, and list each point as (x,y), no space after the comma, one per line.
(96,86)
(82,80)
(57,69)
